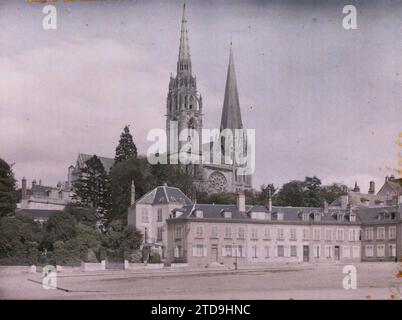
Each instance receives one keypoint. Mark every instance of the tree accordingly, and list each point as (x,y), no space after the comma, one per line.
(307,193)
(93,187)
(121,240)
(8,193)
(126,149)
(121,176)
(19,240)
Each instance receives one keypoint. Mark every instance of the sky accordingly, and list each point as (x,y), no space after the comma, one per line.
(323,100)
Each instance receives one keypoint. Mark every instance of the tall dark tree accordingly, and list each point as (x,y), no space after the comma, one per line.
(8,194)
(126,148)
(93,186)
(121,176)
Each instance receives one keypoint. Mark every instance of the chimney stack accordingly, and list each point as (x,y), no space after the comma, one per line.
(372,187)
(326,207)
(24,187)
(241,201)
(33,183)
(132,200)
(269,200)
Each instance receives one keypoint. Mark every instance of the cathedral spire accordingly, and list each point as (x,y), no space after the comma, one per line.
(184,62)
(231,115)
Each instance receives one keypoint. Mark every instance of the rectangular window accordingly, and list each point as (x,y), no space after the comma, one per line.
(199,250)
(178,252)
(293,234)
(328,234)
(368,234)
(267,234)
(240,232)
(254,233)
(356,251)
(316,234)
(328,251)
(144,216)
(254,251)
(380,233)
(293,251)
(199,232)
(266,252)
(380,250)
(346,251)
(392,250)
(228,232)
(317,251)
(306,234)
(237,250)
(340,235)
(280,234)
(214,232)
(178,232)
(281,251)
(227,250)
(159,215)
(159,234)
(392,233)
(369,250)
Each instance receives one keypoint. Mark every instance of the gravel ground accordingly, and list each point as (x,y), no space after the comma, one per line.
(374,281)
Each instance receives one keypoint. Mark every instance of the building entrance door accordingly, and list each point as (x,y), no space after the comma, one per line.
(214,252)
(337,253)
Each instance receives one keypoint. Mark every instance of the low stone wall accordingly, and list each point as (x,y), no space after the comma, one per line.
(142,266)
(90,266)
(17,269)
(179,265)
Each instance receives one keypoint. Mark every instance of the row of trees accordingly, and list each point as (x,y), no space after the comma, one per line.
(66,238)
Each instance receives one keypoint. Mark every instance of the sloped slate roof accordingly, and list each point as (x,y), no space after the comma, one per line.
(372,214)
(215,211)
(106,162)
(163,195)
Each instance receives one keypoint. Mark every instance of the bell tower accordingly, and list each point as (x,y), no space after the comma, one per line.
(184,104)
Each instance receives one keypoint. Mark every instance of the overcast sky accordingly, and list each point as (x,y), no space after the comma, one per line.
(324,101)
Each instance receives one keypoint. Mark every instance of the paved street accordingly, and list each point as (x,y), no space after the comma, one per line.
(374,281)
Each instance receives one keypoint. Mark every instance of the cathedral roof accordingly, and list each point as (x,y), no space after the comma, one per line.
(231,115)
(106,162)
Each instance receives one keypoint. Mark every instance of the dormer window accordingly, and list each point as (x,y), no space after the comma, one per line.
(199,214)
(352,218)
(340,217)
(305,216)
(317,216)
(227,214)
(268,216)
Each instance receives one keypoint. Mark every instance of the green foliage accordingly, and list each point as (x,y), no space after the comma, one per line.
(93,186)
(307,193)
(19,240)
(121,240)
(8,193)
(121,176)
(126,148)
(154,257)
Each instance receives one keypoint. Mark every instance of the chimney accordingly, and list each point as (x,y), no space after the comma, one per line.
(23,187)
(33,183)
(344,201)
(269,200)
(132,200)
(326,207)
(372,187)
(241,201)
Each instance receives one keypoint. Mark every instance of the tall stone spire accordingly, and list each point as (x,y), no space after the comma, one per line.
(184,61)
(231,115)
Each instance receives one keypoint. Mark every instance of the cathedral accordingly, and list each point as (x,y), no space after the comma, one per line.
(184,109)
